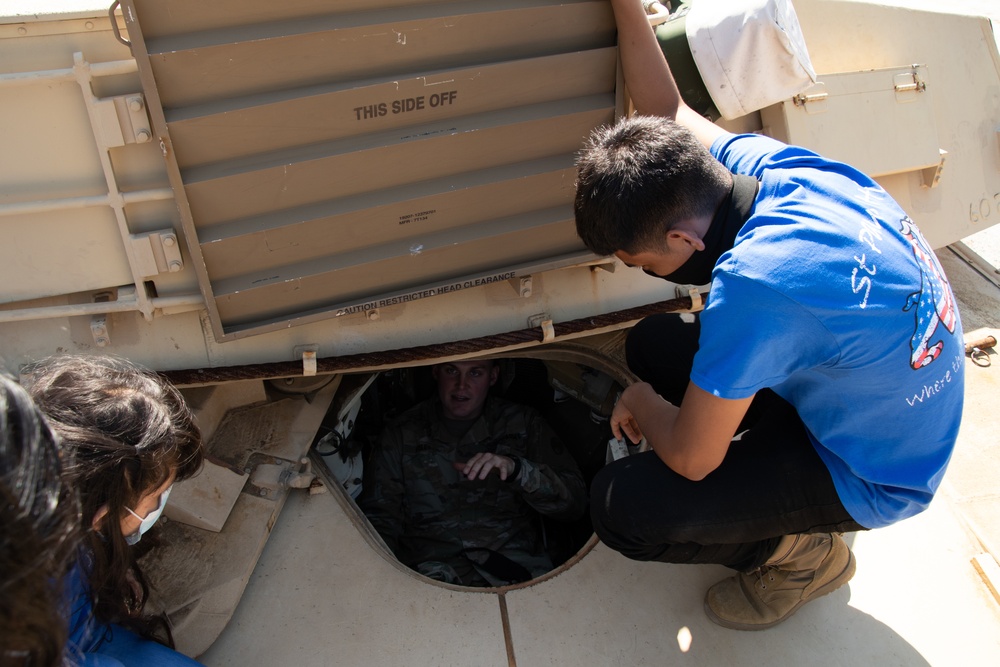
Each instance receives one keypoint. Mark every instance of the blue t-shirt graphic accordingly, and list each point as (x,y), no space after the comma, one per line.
(832,298)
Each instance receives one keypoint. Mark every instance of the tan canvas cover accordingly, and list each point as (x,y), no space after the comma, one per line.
(750,53)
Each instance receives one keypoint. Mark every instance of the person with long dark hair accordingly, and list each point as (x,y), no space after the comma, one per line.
(38,533)
(126,437)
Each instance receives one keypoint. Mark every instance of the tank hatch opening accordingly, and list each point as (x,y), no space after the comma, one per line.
(396,444)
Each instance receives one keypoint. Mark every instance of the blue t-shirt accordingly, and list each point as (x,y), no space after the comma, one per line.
(832,298)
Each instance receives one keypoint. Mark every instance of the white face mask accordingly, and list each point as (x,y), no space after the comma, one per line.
(147,523)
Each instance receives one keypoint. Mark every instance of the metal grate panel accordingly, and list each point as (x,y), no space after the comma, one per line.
(328,156)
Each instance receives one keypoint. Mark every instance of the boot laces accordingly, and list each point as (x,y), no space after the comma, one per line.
(765,573)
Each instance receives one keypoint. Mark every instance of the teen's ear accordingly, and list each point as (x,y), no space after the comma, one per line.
(687,237)
(99,515)
(494,373)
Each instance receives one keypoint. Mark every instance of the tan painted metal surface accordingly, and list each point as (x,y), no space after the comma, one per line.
(303,216)
(958,61)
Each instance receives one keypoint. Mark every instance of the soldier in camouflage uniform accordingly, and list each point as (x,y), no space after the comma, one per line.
(460,480)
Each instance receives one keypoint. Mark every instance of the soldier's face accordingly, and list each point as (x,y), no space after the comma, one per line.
(463,386)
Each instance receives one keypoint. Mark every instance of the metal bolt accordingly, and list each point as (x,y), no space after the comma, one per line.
(143,137)
(174,266)
(135,103)
(372,315)
(89,25)
(22,31)
(169,240)
(262,492)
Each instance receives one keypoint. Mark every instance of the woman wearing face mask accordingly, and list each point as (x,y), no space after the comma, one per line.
(126,437)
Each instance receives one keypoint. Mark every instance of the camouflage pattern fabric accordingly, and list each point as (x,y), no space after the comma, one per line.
(428,514)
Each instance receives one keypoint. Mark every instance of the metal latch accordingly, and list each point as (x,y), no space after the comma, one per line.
(802,99)
(813,100)
(815,93)
(909,81)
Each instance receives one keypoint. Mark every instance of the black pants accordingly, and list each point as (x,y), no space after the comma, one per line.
(771,482)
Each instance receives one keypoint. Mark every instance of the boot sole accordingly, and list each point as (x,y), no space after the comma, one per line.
(845,576)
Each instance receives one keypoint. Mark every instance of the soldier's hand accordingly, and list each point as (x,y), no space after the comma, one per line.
(482,464)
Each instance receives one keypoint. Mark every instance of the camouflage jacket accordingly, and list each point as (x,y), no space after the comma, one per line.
(429,515)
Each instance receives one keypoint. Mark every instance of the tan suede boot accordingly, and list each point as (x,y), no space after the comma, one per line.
(802,568)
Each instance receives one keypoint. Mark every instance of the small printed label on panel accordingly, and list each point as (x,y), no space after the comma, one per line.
(419,216)
(421,294)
